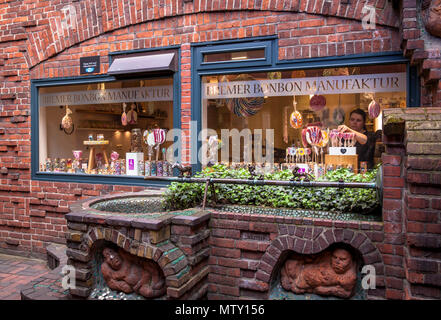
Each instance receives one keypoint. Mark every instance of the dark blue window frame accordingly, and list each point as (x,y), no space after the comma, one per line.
(200,68)
(36,84)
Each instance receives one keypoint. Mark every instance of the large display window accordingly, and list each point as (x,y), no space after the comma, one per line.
(115,128)
(316,119)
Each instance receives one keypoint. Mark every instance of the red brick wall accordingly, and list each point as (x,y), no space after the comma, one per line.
(32,47)
(413,195)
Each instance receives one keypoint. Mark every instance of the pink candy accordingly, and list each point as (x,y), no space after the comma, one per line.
(373,109)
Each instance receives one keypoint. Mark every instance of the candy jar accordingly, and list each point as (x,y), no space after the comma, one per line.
(153,168)
(165,169)
(69,165)
(147,171)
(56,165)
(49,167)
(159,168)
(141,167)
(117,167)
(170,170)
(136,141)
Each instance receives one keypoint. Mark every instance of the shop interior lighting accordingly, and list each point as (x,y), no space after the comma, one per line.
(239,56)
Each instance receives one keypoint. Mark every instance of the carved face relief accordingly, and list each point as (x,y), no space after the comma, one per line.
(341,261)
(129,273)
(112,258)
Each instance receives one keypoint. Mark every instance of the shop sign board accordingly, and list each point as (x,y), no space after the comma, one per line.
(120,95)
(365,83)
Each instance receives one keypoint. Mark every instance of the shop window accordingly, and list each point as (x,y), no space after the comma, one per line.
(102,128)
(235,55)
(279,107)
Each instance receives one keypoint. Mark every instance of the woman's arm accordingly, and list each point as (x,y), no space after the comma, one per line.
(361,138)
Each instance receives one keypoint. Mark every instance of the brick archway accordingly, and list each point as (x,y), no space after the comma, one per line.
(66,26)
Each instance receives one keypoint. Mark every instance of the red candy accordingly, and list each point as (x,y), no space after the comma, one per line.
(317,102)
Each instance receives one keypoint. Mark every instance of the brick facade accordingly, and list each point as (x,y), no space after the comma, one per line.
(36,41)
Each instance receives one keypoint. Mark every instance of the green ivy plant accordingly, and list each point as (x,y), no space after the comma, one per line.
(187,195)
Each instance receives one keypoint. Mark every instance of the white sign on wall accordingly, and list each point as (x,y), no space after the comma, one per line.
(385,82)
(137,94)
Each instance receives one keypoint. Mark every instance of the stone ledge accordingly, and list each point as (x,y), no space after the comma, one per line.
(192,220)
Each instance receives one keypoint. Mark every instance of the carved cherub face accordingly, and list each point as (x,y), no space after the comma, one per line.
(341,261)
(112,258)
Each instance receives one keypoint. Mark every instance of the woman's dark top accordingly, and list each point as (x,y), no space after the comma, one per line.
(366,151)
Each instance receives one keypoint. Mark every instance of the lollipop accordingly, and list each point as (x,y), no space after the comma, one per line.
(292,151)
(77,154)
(145,135)
(295,120)
(352,139)
(373,109)
(114,156)
(159,136)
(317,102)
(246,106)
(340,138)
(124,116)
(346,139)
(325,139)
(308,152)
(315,135)
(333,136)
(308,136)
(66,122)
(304,141)
(338,116)
(150,138)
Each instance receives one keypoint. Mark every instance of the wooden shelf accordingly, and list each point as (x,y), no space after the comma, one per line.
(96,142)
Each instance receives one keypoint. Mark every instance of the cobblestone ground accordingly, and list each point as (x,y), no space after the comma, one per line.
(15,272)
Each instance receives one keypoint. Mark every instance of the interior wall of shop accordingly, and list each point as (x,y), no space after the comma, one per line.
(31,47)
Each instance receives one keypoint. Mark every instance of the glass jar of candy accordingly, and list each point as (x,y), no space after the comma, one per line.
(136,141)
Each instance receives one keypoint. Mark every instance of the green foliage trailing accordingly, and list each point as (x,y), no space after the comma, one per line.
(187,195)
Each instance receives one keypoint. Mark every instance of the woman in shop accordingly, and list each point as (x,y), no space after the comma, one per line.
(365,140)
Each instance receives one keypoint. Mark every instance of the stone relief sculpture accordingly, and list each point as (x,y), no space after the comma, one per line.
(432,16)
(125,272)
(328,273)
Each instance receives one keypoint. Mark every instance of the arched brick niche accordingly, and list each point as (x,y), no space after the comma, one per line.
(170,243)
(310,241)
(172,261)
